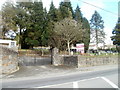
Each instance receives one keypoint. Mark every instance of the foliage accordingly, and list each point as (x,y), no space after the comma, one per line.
(116,33)
(85,28)
(8,15)
(68,30)
(53,16)
(86,36)
(22,19)
(97,26)
(78,15)
(53,13)
(66,10)
(35,26)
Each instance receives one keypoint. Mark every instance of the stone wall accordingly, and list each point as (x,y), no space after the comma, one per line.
(8,61)
(85,61)
(70,61)
(96,60)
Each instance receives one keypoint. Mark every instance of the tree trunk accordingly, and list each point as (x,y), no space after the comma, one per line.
(96,39)
(31,47)
(51,51)
(68,44)
(118,49)
(19,42)
(42,51)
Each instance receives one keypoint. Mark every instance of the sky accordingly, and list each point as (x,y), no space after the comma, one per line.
(109,14)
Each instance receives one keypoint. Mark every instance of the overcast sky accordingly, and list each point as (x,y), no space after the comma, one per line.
(109,14)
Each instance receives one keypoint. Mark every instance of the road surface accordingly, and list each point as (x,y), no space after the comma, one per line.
(95,79)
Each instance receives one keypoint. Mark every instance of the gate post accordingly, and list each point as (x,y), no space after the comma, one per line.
(55,56)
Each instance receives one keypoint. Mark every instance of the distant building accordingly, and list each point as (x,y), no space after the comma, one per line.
(8,43)
(92,46)
(78,48)
(109,46)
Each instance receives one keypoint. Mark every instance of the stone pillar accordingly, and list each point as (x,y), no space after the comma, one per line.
(55,57)
(9,61)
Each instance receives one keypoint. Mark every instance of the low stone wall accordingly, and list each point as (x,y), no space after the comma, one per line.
(85,61)
(70,61)
(96,60)
(8,61)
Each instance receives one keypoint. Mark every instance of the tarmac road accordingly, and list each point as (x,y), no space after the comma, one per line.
(95,79)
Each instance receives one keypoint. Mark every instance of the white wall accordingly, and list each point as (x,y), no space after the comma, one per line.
(9,42)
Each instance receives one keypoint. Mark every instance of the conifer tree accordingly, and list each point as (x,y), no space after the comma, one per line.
(52,12)
(65,8)
(78,15)
(97,26)
(86,34)
(85,28)
(116,33)
(46,30)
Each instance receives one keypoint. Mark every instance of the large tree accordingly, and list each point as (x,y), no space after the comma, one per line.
(68,30)
(65,8)
(53,13)
(78,15)
(86,36)
(85,28)
(116,34)
(23,21)
(33,23)
(56,15)
(1,36)
(37,31)
(97,26)
(8,14)
(53,16)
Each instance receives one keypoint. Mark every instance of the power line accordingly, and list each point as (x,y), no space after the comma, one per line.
(98,7)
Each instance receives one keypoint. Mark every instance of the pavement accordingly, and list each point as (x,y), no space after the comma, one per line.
(32,72)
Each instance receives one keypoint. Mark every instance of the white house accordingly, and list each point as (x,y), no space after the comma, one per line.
(92,46)
(8,43)
(78,48)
